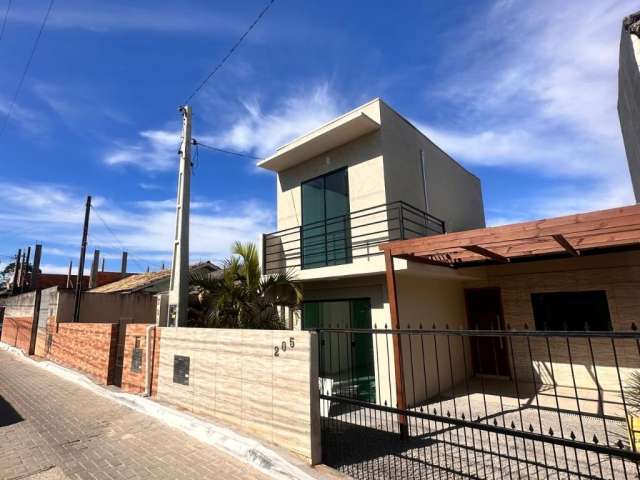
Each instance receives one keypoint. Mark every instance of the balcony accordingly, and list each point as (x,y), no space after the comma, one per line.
(342,239)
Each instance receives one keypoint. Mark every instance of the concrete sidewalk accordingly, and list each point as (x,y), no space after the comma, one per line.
(53,428)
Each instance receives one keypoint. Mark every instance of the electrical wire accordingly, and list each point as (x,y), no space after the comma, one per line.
(135,260)
(229,53)
(26,68)
(4,21)
(222,150)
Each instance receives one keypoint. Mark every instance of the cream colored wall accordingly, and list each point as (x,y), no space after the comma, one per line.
(423,303)
(108,307)
(235,378)
(618,274)
(453,193)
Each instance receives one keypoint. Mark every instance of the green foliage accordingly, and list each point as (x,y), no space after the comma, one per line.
(239,296)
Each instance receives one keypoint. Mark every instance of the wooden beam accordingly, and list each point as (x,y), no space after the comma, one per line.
(486,253)
(392,293)
(565,244)
(426,261)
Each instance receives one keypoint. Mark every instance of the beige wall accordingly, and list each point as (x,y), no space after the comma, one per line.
(432,364)
(617,274)
(236,378)
(453,193)
(108,307)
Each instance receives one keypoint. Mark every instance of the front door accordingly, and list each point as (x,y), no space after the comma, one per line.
(484,312)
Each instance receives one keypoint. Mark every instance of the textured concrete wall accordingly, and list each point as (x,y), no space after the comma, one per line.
(48,313)
(236,378)
(18,320)
(629,104)
(617,274)
(88,347)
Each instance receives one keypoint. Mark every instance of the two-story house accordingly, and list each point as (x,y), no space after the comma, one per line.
(363,179)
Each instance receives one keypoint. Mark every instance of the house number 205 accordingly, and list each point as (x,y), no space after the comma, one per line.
(283,346)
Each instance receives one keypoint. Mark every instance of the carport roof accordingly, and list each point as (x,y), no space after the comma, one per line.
(571,235)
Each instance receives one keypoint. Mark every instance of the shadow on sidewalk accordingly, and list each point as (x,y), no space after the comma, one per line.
(8,414)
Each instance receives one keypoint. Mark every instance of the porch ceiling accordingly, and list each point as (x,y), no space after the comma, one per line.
(571,235)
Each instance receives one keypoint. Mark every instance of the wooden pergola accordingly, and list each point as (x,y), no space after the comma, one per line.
(603,231)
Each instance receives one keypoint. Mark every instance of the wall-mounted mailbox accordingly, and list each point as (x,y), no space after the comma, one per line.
(136,360)
(181,369)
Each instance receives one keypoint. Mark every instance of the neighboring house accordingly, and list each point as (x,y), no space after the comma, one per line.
(152,283)
(365,178)
(629,95)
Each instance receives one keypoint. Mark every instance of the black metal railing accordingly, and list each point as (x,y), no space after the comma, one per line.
(562,410)
(340,239)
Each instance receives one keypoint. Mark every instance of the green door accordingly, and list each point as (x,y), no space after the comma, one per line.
(325,220)
(347,357)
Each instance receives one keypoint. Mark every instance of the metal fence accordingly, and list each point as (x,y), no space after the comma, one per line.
(558,405)
(340,239)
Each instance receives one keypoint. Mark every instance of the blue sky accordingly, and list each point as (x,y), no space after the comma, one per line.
(522,93)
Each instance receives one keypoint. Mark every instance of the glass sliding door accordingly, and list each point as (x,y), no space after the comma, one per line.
(347,358)
(325,220)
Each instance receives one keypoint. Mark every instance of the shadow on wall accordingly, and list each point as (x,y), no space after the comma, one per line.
(8,414)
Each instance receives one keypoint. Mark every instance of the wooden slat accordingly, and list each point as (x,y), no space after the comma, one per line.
(625,217)
(486,253)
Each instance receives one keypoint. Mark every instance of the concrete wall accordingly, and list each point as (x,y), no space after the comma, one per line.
(453,193)
(47,314)
(432,364)
(629,103)
(18,320)
(617,274)
(88,347)
(108,307)
(236,378)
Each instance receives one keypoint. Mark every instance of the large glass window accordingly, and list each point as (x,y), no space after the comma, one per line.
(347,357)
(325,220)
(571,311)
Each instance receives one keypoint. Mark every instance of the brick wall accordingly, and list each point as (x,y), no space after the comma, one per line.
(134,382)
(88,347)
(16,331)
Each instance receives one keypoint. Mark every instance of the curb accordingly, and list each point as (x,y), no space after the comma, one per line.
(247,450)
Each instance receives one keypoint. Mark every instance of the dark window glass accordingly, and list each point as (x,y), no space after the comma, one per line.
(325,220)
(571,311)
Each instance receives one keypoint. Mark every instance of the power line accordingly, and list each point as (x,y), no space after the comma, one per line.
(4,21)
(138,264)
(26,68)
(222,150)
(229,53)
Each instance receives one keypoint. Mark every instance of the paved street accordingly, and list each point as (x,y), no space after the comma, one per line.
(53,429)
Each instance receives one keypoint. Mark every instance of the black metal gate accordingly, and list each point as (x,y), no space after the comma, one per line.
(566,410)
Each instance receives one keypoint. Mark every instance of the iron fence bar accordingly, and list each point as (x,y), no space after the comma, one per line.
(607,450)
(497,333)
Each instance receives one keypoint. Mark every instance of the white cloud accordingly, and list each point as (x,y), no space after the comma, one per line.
(53,214)
(261,132)
(538,93)
(157,150)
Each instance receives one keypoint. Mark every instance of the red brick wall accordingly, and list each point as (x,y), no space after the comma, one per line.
(16,331)
(131,381)
(88,347)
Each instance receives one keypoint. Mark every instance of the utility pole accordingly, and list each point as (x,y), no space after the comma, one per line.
(35,270)
(179,286)
(123,265)
(102,269)
(69,284)
(83,252)
(16,272)
(93,276)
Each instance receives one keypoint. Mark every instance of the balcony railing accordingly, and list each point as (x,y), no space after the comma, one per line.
(341,239)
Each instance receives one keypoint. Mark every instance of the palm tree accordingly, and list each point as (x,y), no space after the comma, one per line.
(242,297)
